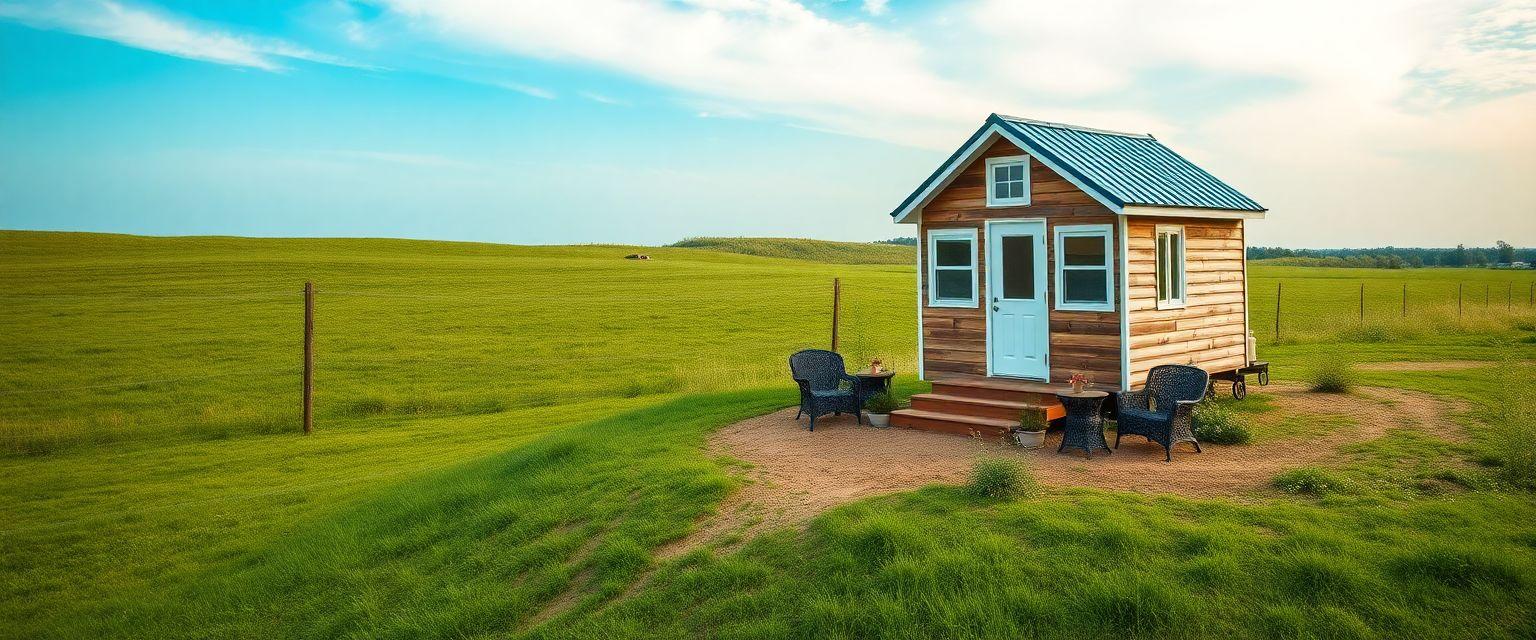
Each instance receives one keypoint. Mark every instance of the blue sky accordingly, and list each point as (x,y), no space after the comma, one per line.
(646,122)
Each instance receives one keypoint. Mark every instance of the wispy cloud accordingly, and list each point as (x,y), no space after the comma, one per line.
(603,99)
(528,90)
(877,7)
(154,30)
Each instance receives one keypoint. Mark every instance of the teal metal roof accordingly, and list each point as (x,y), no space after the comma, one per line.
(1122,168)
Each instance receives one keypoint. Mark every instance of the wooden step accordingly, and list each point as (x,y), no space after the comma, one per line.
(984,407)
(951,423)
(1026,391)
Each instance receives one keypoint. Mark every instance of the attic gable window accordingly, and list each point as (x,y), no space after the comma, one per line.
(1085,275)
(1170,267)
(1007,181)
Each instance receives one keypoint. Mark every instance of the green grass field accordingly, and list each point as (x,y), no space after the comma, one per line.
(500,427)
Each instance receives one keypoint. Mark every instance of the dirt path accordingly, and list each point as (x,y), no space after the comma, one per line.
(1438,365)
(796,474)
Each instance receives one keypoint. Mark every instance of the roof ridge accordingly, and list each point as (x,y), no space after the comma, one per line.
(1074,127)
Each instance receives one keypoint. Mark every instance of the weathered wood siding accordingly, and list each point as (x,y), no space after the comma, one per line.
(1209,332)
(955,340)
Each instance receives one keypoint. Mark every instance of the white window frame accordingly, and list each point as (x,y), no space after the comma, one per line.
(1172,231)
(934,237)
(992,200)
(1107,234)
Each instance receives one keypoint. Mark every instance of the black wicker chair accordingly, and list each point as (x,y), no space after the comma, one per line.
(1163,410)
(822,377)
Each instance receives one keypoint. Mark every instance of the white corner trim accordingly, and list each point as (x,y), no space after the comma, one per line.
(992,200)
(1242,229)
(920,275)
(1104,231)
(1191,212)
(1125,306)
(934,236)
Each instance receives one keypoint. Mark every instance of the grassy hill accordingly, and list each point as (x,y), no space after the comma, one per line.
(802,249)
(501,427)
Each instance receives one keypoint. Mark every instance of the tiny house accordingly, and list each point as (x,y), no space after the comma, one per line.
(1047,250)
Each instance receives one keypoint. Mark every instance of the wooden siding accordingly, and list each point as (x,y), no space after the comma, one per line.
(1209,332)
(955,340)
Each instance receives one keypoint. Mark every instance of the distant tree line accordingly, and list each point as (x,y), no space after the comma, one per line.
(907,242)
(1396,257)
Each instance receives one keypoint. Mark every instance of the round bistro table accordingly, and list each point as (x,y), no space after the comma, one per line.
(1083,426)
(873,383)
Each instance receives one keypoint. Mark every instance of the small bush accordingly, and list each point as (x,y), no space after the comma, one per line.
(1331,375)
(881,403)
(1031,420)
(1216,424)
(1514,425)
(1310,481)
(1000,478)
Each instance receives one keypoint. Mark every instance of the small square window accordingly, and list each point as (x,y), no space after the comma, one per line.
(1007,181)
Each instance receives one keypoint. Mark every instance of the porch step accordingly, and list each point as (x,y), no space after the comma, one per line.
(1026,391)
(951,423)
(985,407)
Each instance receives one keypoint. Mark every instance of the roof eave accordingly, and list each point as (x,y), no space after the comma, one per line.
(1167,211)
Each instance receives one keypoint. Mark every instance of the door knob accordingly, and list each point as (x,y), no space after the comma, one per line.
(994,308)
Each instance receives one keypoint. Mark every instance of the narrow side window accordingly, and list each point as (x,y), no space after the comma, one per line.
(1171,279)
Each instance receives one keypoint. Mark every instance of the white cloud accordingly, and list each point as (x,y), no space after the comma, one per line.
(155,31)
(529,90)
(877,7)
(604,99)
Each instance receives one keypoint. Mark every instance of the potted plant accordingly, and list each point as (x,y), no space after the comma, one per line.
(1030,433)
(878,409)
(1078,381)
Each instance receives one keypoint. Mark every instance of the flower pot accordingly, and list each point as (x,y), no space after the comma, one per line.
(1029,439)
(1077,387)
(878,419)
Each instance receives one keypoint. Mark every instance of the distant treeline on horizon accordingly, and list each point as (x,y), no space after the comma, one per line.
(1502,253)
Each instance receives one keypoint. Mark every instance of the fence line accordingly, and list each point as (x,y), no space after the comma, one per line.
(1365,306)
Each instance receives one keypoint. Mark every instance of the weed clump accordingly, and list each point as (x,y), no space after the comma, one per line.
(1216,424)
(1310,481)
(1331,375)
(1001,478)
(881,403)
(1514,425)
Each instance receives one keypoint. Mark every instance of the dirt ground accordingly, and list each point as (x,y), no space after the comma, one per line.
(796,474)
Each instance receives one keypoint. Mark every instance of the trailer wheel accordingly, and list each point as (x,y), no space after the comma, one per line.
(1264,378)
(1239,389)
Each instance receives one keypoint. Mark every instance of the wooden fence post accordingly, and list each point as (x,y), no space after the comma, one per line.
(309,357)
(1362,303)
(1279,286)
(837,295)
(1459,287)
(1509,299)
(1486,287)
(1405,299)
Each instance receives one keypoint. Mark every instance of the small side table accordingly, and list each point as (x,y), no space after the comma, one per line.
(1083,424)
(873,383)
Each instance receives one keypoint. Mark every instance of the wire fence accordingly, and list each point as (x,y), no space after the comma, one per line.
(112,365)
(1283,310)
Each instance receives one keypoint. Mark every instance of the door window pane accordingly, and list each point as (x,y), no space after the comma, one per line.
(1019,267)
(952,284)
(1083,250)
(953,253)
(1085,285)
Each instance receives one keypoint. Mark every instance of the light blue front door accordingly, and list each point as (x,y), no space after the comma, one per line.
(1018,325)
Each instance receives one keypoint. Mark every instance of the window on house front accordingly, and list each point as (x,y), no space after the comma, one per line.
(1007,181)
(1085,279)
(1170,267)
(952,268)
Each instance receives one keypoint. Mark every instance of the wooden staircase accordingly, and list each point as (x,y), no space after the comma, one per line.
(988,407)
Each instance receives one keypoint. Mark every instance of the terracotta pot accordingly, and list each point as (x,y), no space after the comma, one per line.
(1077,387)
(1029,439)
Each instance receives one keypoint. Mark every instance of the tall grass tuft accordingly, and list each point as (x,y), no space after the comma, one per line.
(1001,478)
(1331,375)
(1514,424)
(1216,424)
(1312,481)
